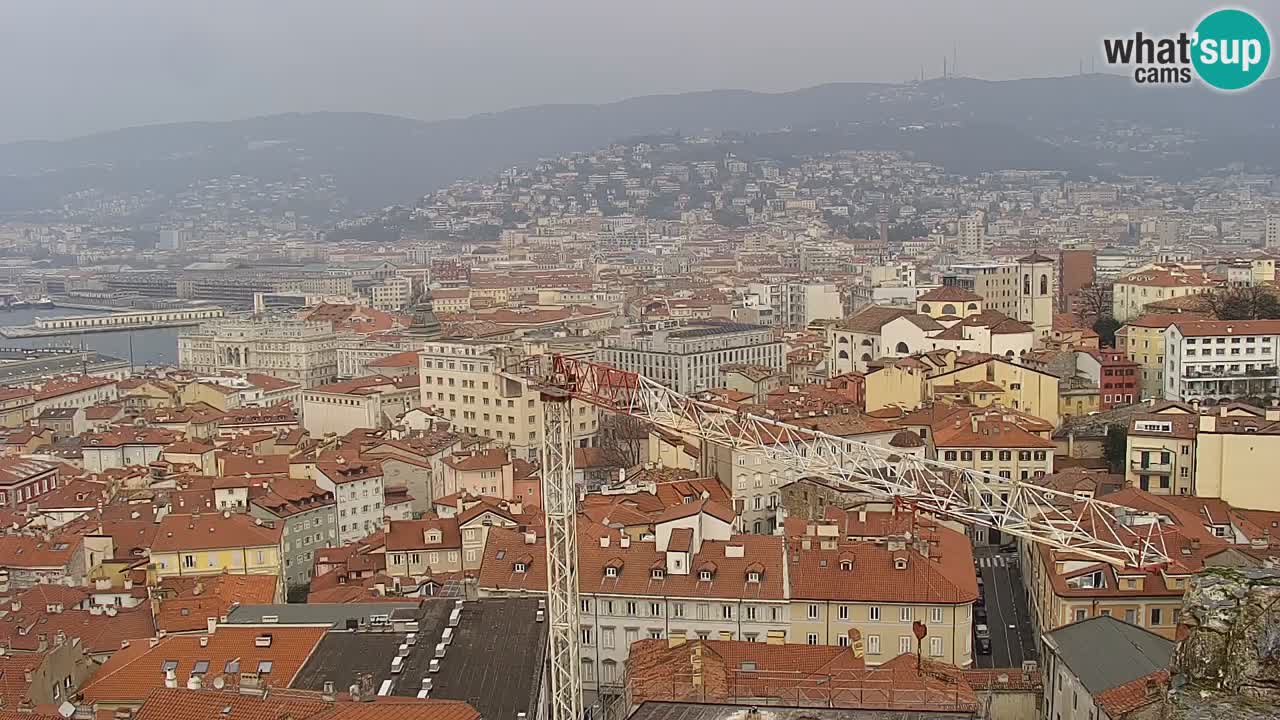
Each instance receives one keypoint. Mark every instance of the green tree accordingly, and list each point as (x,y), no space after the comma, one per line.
(1115,447)
(1106,328)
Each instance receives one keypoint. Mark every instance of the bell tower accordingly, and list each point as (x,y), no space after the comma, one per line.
(1036,288)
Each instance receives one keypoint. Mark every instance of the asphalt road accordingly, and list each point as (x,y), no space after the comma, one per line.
(1008,618)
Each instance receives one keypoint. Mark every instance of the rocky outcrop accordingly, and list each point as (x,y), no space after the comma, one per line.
(1227,663)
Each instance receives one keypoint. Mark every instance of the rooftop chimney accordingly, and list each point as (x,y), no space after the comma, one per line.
(170,679)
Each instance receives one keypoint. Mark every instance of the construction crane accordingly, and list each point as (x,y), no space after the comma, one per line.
(1083,526)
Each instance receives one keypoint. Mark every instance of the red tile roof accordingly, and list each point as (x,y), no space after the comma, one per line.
(491,459)
(187,603)
(506,548)
(1126,698)
(411,534)
(949,293)
(209,531)
(131,674)
(179,704)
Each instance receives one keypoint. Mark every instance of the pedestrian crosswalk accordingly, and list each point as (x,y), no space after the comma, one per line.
(997,561)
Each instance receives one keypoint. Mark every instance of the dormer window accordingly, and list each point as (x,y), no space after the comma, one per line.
(753,577)
(611,572)
(846,565)
(657,574)
(704,575)
(900,563)
(521,567)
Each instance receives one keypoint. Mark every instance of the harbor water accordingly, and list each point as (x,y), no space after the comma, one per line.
(155,346)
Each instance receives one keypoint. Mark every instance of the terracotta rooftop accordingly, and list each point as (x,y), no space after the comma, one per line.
(210,531)
(133,672)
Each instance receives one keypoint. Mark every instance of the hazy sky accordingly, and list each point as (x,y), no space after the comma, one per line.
(69,67)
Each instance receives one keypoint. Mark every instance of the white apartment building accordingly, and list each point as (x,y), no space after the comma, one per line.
(393,294)
(479,388)
(356,352)
(796,304)
(357,487)
(297,350)
(1215,360)
(688,358)
(1271,235)
(972,234)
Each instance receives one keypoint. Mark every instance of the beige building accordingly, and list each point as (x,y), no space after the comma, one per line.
(368,402)
(1142,341)
(1133,292)
(693,579)
(990,443)
(295,350)
(479,388)
(479,472)
(927,579)
(16,405)
(1160,454)
(1237,452)
(913,381)
(430,546)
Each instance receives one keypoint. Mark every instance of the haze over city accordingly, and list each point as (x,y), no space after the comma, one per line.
(70,67)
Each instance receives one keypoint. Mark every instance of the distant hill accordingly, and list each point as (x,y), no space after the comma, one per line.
(379,159)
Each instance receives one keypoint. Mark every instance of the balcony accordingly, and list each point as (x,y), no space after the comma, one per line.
(1152,465)
(1269,372)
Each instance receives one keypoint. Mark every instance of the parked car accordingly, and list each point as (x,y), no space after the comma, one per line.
(980,615)
(983,636)
(1009,549)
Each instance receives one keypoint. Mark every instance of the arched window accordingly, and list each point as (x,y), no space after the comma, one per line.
(1026,284)
(866,342)
(1044,284)
(866,357)
(843,340)
(948,309)
(902,348)
(973,306)
(1008,353)
(926,309)
(844,355)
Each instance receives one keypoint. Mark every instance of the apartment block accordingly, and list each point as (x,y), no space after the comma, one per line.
(1213,361)
(482,388)
(688,358)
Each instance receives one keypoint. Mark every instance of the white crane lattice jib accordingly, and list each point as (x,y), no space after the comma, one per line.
(1080,525)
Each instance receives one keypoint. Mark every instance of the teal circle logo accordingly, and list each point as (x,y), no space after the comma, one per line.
(1232,49)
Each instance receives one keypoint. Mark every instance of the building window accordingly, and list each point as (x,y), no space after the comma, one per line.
(904,644)
(904,614)
(813,612)
(874,612)
(843,612)
(935,647)
(873,644)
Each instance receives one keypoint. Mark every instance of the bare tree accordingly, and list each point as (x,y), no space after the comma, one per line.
(1253,302)
(1093,302)
(624,436)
